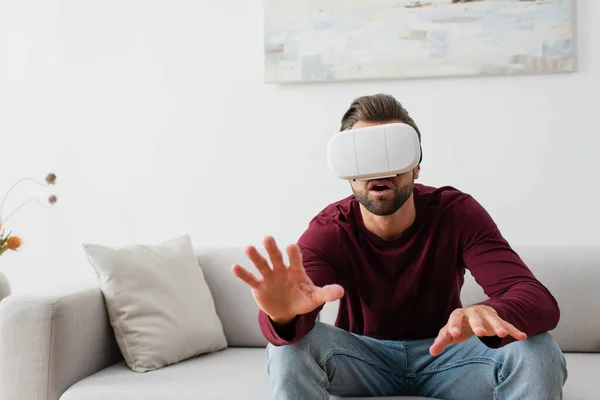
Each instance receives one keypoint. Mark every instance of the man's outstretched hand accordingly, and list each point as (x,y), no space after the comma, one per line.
(284,291)
(478,319)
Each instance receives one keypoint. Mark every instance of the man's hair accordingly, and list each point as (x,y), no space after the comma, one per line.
(376,108)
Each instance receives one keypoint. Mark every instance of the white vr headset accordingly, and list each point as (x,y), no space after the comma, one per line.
(374,152)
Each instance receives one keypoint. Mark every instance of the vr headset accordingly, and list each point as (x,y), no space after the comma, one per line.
(374,152)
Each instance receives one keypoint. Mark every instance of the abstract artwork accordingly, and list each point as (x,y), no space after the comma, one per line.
(344,40)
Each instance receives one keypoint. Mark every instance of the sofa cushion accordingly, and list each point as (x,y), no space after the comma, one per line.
(237,373)
(582,372)
(227,374)
(160,307)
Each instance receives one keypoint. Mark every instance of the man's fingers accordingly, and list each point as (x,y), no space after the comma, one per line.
(455,323)
(274,253)
(329,293)
(497,325)
(245,275)
(514,332)
(441,341)
(476,323)
(295,257)
(259,261)
(485,323)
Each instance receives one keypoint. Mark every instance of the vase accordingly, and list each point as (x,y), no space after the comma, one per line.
(5,289)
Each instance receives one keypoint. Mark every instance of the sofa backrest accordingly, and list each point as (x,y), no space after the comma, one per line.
(571,273)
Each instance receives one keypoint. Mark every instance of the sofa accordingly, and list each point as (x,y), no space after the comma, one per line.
(60,345)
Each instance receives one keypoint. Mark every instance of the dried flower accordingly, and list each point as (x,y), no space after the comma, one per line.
(7,241)
(51,179)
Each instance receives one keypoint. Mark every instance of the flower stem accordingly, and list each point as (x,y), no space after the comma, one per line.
(21,206)
(12,187)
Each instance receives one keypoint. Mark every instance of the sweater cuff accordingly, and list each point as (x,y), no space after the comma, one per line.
(276,334)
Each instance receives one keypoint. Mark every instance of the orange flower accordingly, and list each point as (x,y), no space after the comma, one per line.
(13,243)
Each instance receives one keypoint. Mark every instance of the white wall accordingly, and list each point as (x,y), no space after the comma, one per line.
(154,116)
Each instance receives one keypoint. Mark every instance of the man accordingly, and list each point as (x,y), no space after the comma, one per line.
(396,259)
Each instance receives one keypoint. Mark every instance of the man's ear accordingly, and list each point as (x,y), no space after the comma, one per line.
(416,171)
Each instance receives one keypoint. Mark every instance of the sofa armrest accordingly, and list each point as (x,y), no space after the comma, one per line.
(49,342)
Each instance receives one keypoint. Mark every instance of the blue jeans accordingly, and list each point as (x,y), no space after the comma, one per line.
(331,361)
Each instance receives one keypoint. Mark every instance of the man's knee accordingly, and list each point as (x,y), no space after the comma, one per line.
(307,349)
(542,347)
(540,355)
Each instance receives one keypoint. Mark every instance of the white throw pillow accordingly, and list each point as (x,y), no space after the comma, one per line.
(159,304)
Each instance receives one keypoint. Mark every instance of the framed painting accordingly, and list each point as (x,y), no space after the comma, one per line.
(344,40)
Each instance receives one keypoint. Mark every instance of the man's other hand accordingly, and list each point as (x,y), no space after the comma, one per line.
(478,319)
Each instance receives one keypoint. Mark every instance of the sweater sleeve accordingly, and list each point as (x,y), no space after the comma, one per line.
(318,246)
(513,291)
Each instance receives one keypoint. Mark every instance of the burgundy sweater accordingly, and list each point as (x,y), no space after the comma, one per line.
(406,288)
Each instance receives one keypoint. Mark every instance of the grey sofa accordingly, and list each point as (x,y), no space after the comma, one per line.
(60,345)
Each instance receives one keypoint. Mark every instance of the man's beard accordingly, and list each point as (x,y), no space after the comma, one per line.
(384,205)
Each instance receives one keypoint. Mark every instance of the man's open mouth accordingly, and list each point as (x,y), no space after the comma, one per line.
(379,185)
